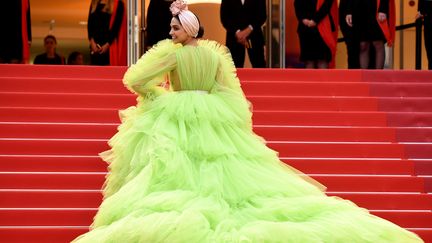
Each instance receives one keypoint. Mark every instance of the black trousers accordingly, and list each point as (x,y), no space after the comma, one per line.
(100,59)
(256,53)
(353,52)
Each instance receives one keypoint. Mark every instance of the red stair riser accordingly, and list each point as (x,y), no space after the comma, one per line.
(278,133)
(260,117)
(299,75)
(57,217)
(67,100)
(49,71)
(84,217)
(62,85)
(338,150)
(379,76)
(349,183)
(292,149)
(306,88)
(52,164)
(408,219)
(315,166)
(359,166)
(92,199)
(406,89)
(105,131)
(40,235)
(121,101)
(43,235)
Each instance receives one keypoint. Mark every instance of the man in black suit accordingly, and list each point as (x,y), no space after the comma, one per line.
(243,20)
(425,12)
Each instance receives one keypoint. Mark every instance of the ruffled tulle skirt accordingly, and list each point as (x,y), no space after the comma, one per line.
(186,167)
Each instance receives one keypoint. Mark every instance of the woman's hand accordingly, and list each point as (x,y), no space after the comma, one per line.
(93,47)
(382,17)
(419,15)
(348,20)
(243,35)
(309,23)
(104,48)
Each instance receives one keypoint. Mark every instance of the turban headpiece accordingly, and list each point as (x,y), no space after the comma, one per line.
(187,19)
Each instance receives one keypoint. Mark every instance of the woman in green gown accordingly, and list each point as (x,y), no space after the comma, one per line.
(185,165)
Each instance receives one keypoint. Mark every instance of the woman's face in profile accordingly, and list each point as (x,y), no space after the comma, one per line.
(177,33)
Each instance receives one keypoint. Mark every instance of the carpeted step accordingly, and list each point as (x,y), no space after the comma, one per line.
(53,114)
(84,216)
(38,198)
(87,85)
(416,104)
(62,85)
(41,234)
(353,166)
(292,103)
(287,75)
(325,75)
(121,101)
(338,149)
(94,181)
(113,101)
(47,216)
(275,133)
(260,117)
(41,163)
(38,163)
(62,71)
(407,219)
(16,146)
(405,89)
(63,234)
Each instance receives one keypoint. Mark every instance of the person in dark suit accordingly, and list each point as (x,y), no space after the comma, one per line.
(372,22)
(106,25)
(315,52)
(243,20)
(425,12)
(158,21)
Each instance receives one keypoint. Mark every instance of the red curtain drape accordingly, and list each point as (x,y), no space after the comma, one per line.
(324,27)
(118,48)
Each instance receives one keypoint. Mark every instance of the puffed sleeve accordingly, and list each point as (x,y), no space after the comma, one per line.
(151,69)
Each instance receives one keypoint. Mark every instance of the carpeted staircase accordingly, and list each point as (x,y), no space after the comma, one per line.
(366,135)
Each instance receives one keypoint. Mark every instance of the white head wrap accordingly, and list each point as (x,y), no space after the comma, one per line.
(188,19)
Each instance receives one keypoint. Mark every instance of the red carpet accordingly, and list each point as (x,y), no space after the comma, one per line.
(366,135)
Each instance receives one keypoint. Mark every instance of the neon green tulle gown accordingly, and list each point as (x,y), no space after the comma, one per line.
(185,166)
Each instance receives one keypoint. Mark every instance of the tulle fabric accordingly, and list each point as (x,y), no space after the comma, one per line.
(185,166)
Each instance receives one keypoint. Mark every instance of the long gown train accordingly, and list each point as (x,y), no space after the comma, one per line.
(185,166)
